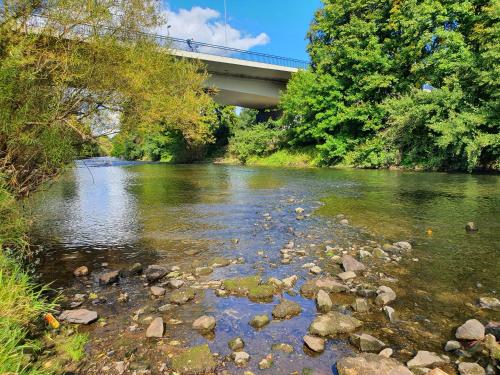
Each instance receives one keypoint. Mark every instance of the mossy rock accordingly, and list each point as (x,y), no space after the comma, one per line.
(195,361)
(250,286)
(181,297)
(219,262)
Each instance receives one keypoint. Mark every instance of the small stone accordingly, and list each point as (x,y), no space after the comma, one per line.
(80,316)
(315,270)
(203,271)
(390,313)
(490,303)
(316,344)
(282,347)
(308,265)
(123,297)
(387,352)
(344,222)
(472,329)
(385,295)
(425,359)
(366,343)
(81,271)
(276,282)
(299,210)
(265,363)
(259,321)
(155,272)
(236,344)
(452,345)
(323,301)
(470,227)
(360,305)
(379,253)
(404,245)
(289,282)
(135,269)
(175,284)
(286,309)
(240,358)
(157,291)
(466,368)
(155,329)
(351,264)
(109,277)
(344,276)
(204,324)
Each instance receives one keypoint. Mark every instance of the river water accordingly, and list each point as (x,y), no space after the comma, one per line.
(108,211)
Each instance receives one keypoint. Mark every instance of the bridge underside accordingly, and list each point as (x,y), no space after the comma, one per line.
(243,83)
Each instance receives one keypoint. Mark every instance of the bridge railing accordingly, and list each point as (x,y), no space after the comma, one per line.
(188,45)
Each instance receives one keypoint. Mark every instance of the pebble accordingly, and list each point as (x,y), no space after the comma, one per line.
(81,271)
(316,344)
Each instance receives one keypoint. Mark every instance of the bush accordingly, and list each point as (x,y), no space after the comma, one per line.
(260,140)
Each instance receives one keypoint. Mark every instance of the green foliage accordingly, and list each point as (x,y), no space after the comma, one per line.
(260,140)
(286,157)
(74,346)
(361,102)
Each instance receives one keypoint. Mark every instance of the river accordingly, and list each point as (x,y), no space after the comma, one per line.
(118,213)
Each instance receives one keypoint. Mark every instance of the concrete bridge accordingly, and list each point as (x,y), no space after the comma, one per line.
(243,78)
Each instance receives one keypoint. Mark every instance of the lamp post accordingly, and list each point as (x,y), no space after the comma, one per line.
(225,20)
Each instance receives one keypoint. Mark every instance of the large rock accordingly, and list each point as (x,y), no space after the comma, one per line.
(472,329)
(333,323)
(351,264)
(426,359)
(286,309)
(109,277)
(80,316)
(180,297)
(156,328)
(367,343)
(466,368)
(323,302)
(155,272)
(204,324)
(371,364)
(195,361)
(316,344)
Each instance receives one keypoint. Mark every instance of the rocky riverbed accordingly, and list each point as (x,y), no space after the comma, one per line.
(143,317)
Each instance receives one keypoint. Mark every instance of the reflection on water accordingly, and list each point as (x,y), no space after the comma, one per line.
(120,213)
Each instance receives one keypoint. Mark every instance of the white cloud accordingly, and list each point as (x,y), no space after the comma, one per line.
(206,25)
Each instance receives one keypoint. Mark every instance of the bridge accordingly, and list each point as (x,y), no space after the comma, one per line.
(243,78)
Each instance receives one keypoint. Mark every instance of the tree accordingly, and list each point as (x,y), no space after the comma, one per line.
(64,63)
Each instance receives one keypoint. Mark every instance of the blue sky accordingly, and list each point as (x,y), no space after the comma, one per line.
(276,27)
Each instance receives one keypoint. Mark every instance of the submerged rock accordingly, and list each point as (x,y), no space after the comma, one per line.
(351,264)
(204,324)
(175,284)
(282,347)
(219,262)
(259,321)
(251,287)
(135,269)
(466,368)
(286,309)
(195,361)
(81,271)
(360,305)
(109,277)
(180,297)
(333,323)
(155,329)
(289,282)
(80,316)
(316,344)
(367,343)
(490,303)
(472,329)
(155,272)
(236,344)
(470,227)
(371,364)
(203,271)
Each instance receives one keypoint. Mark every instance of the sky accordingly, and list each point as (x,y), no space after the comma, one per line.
(276,27)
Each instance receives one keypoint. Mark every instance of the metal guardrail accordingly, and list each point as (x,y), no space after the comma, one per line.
(188,45)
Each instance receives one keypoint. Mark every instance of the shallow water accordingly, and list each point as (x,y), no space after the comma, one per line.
(120,213)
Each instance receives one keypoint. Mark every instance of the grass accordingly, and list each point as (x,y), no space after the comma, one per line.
(305,157)
(74,346)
